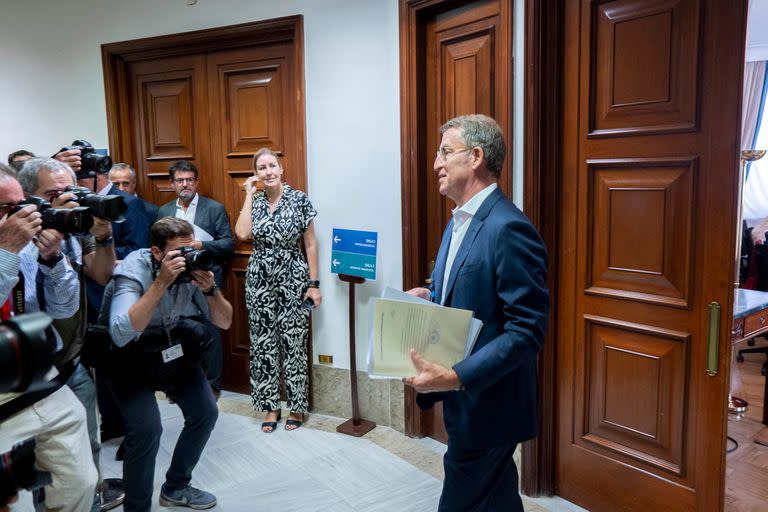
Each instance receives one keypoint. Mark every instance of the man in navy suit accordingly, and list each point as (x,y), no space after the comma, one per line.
(123,177)
(493,262)
(213,233)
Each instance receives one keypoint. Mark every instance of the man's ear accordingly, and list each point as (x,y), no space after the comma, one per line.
(477,156)
(157,253)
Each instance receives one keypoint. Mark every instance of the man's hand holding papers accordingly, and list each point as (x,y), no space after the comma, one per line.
(431,377)
(407,323)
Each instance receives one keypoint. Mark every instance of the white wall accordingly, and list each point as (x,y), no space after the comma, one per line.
(757,36)
(52,92)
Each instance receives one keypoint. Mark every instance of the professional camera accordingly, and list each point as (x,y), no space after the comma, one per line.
(91,161)
(104,207)
(17,471)
(71,221)
(25,353)
(195,260)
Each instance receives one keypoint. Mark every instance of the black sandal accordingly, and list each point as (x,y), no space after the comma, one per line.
(294,423)
(271,424)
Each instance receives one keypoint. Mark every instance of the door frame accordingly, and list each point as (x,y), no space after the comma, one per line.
(541,130)
(415,155)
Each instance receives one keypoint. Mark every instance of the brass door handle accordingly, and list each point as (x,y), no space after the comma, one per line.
(713,337)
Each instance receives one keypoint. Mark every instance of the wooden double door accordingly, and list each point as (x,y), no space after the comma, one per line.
(214,98)
(648,184)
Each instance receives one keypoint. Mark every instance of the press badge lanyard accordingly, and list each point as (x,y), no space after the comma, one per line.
(174,350)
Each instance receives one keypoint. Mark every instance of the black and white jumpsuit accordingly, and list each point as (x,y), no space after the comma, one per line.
(274,287)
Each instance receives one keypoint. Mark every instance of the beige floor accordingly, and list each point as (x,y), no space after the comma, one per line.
(312,469)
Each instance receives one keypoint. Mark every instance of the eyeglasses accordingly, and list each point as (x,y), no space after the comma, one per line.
(180,181)
(443,155)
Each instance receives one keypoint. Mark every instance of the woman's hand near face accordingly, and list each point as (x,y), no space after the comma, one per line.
(250,184)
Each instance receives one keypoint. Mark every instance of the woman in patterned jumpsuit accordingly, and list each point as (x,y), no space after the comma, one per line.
(278,280)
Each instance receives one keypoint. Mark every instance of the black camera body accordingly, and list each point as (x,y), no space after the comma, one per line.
(70,221)
(17,471)
(110,207)
(92,163)
(195,260)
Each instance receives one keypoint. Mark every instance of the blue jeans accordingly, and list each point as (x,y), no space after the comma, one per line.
(82,385)
(141,418)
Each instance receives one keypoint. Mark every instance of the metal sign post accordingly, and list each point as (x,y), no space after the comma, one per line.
(355,426)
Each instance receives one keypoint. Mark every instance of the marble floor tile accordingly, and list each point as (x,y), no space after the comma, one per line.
(312,469)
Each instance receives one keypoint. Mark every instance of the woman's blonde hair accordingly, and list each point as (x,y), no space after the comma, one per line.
(266,151)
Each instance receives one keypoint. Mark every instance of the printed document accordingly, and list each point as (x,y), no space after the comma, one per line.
(400,322)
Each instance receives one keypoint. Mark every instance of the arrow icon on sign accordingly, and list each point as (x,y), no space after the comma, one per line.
(336,239)
(336,263)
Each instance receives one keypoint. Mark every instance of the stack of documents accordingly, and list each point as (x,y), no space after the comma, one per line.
(401,322)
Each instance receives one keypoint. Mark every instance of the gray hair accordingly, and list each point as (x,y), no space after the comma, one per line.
(7,172)
(123,167)
(28,176)
(481,131)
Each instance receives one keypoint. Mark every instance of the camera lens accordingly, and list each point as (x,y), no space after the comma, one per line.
(199,260)
(17,470)
(73,221)
(25,354)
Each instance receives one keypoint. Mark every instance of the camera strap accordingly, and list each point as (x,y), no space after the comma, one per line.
(21,402)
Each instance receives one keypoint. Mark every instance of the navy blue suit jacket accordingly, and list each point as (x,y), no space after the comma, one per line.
(500,274)
(152,210)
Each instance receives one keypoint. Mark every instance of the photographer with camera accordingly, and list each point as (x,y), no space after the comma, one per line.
(92,172)
(92,255)
(160,305)
(35,276)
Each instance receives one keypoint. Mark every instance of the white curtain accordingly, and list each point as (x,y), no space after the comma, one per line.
(754,75)
(755,193)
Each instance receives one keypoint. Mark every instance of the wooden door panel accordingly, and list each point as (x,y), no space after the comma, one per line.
(641,220)
(254,103)
(169,106)
(645,70)
(649,146)
(168,122)
(635,404)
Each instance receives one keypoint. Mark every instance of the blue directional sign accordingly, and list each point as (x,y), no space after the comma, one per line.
(354,253)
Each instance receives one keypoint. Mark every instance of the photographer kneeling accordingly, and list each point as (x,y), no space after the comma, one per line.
(158,314)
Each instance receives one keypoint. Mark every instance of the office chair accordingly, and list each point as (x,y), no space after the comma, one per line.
(759,252)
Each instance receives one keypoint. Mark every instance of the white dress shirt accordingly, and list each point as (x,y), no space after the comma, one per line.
(462,217)
(188,215)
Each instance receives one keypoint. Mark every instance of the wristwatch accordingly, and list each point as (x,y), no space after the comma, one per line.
(107,241)
(313,284)
(211,292)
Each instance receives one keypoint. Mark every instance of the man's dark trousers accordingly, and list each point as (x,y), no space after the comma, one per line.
(480,480)
(141,417)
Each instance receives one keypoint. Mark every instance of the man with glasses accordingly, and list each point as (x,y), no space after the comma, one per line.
(212,233)
(493,262)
